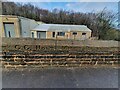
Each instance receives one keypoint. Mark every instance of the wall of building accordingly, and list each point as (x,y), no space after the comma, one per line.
(69,35)
(22,26)
(41,33)
(35,34)
(9,19)
(1,29)
(49,35)
(26,26)
(79,35)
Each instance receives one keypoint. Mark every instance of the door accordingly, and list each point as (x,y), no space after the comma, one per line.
(9,29)
(32,34)
(38,34)
(41,34)
(83,36)
(53,34)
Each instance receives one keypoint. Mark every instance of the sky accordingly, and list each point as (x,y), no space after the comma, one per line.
(75,5)
(65,0)
(84,6)
(79,6)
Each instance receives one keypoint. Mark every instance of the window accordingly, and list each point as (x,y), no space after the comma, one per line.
(53,34)
(32,34)
(74,33)
(83,33)
(61,33)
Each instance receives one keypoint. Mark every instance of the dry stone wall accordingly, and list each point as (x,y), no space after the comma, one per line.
(26,53)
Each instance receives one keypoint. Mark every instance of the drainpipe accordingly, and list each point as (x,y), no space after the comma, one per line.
(56,42)
(20,27)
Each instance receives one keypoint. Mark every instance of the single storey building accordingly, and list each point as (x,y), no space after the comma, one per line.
(16,26)
(60,31)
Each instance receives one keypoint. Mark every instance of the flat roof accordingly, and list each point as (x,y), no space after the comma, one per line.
(13,16)
(61,27)
(9,16)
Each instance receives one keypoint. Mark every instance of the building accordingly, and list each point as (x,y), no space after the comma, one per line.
(16,26)
(60,31)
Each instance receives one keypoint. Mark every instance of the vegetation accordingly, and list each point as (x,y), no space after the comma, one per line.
(100,23)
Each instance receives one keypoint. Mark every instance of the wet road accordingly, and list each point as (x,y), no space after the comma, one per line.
(61,78)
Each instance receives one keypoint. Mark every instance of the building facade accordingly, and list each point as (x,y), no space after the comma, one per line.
(15,26)
(60,31)
(10,26)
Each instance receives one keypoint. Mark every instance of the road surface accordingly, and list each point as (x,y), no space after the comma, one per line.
(60,78)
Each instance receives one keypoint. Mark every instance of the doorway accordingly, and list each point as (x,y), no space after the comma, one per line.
(83,36)
(41,34)
(9,29)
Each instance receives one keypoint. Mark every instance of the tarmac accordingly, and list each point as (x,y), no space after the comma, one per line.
(60,78)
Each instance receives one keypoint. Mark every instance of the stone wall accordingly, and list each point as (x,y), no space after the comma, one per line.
(45,53)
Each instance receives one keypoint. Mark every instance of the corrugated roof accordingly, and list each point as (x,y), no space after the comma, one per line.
(61,27)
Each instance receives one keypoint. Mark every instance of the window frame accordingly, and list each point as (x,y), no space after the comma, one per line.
(60,33)
(84,33)
(74,33)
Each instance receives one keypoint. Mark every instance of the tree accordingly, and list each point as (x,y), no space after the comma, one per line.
(104,23)
(100,23)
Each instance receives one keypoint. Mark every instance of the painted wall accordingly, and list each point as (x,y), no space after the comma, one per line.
(26,26)
(41,33)
(22,26)
(79,35)
(50,35)
(9,19)
(35,34)
(69,35)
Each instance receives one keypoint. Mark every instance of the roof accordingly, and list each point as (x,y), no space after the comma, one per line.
(9,16)
(20,17)
(13,16)
(61,27)
(40,22)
